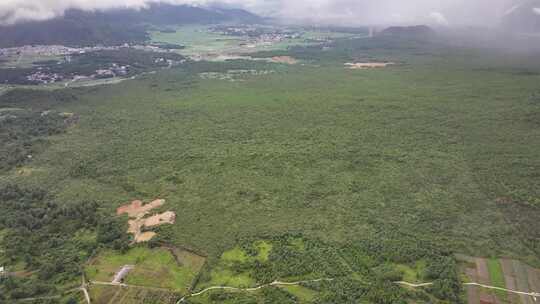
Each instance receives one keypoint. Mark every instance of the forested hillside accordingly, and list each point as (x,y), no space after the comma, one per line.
(114,27)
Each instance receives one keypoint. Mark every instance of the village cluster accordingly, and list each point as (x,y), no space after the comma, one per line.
(14,57)
(60,50)
(257,35)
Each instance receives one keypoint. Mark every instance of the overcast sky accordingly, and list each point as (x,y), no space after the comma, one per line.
(352,12)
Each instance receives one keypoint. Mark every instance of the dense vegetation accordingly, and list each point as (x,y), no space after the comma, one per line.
(50,240)
(23,133)
(375,168)
(363,271)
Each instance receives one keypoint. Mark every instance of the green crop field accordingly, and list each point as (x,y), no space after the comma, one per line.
(496,276)
(153,268)
(411,162)
(200,40)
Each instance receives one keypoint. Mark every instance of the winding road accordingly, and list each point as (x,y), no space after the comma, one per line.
(413,285)
(275,283)
(84,286)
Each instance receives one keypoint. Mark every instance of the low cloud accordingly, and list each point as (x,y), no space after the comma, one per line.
(350,12)
(439,18)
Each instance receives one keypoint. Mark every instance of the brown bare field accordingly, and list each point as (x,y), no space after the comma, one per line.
(522,280)
(284,59)
(482,277)
(368,65)
(472,291)
(482,271)
(136,208)
(517,276)
(534,278)
(137,212)
(145,236)
(168,217)
(509,279)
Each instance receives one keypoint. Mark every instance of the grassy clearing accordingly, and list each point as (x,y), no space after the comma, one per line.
(226,277)
(234,255)
(303,294)
(223,274)
(263,248)
(413,274)
(189,259)
(200,41)
(197,40)
(153,267)
(496,276)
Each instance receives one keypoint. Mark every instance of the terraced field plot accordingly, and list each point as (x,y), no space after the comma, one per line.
(503,273)
(121,295)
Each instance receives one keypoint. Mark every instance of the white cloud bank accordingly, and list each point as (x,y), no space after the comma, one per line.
(355,12)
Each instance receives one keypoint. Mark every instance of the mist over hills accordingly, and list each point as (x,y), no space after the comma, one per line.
(524,17)
(408,31)
(114,27)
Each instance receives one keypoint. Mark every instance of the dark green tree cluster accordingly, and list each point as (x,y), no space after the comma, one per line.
(288,259)
(362,271)
(52,240)
(347,290)
(393,246)
(23,133)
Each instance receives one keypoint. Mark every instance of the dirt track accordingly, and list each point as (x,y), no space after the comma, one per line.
(275,283)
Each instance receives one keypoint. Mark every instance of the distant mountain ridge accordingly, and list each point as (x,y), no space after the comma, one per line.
(408,31)
(114,27)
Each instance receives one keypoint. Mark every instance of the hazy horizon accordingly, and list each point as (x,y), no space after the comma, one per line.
(340,12)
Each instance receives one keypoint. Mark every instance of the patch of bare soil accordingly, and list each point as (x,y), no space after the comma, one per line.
(482,277)
(138,212)
(284,59)
(368,65)
(168,217)
(145,237)
(136,208)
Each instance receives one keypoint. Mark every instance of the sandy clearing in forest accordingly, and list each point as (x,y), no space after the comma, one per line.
(138,212)
(284,59)
(145,237)
(168,217)
(367,65)
(138,209)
